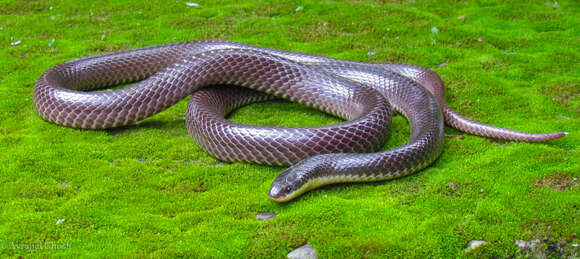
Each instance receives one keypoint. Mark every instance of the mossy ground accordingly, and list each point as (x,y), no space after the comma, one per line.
(148,190)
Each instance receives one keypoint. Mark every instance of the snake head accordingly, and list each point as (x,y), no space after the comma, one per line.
(297,179)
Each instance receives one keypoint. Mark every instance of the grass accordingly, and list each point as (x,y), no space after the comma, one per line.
(148,190)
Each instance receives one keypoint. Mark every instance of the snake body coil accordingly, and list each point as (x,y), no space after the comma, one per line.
(355,91)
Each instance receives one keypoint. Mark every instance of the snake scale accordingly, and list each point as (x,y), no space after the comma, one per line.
(364,94)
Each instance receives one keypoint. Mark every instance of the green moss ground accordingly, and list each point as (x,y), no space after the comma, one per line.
(148,191)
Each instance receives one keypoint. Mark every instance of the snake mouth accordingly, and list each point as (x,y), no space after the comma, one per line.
(281,194)
(275,194)
(287,186)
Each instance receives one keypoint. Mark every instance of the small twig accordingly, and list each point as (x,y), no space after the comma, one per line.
(454,136)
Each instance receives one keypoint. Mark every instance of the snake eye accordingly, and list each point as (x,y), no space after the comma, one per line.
(288,189)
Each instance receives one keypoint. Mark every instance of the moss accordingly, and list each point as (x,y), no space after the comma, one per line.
(147,190)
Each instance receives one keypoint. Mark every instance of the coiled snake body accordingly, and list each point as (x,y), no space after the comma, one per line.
(361,93)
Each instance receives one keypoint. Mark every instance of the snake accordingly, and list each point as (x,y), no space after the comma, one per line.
(221,76)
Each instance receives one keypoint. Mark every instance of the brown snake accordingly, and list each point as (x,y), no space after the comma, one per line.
(355,91)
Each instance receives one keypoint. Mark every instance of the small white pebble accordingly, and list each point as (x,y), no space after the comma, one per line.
(58,221)
(299,8)
(192,4)
(434,30)
(51,7)
(14,43)
(305,251)
(371,53)
(52,17)
(553,4)
(51,42)
(475,244)
(522,244)
(263,216)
